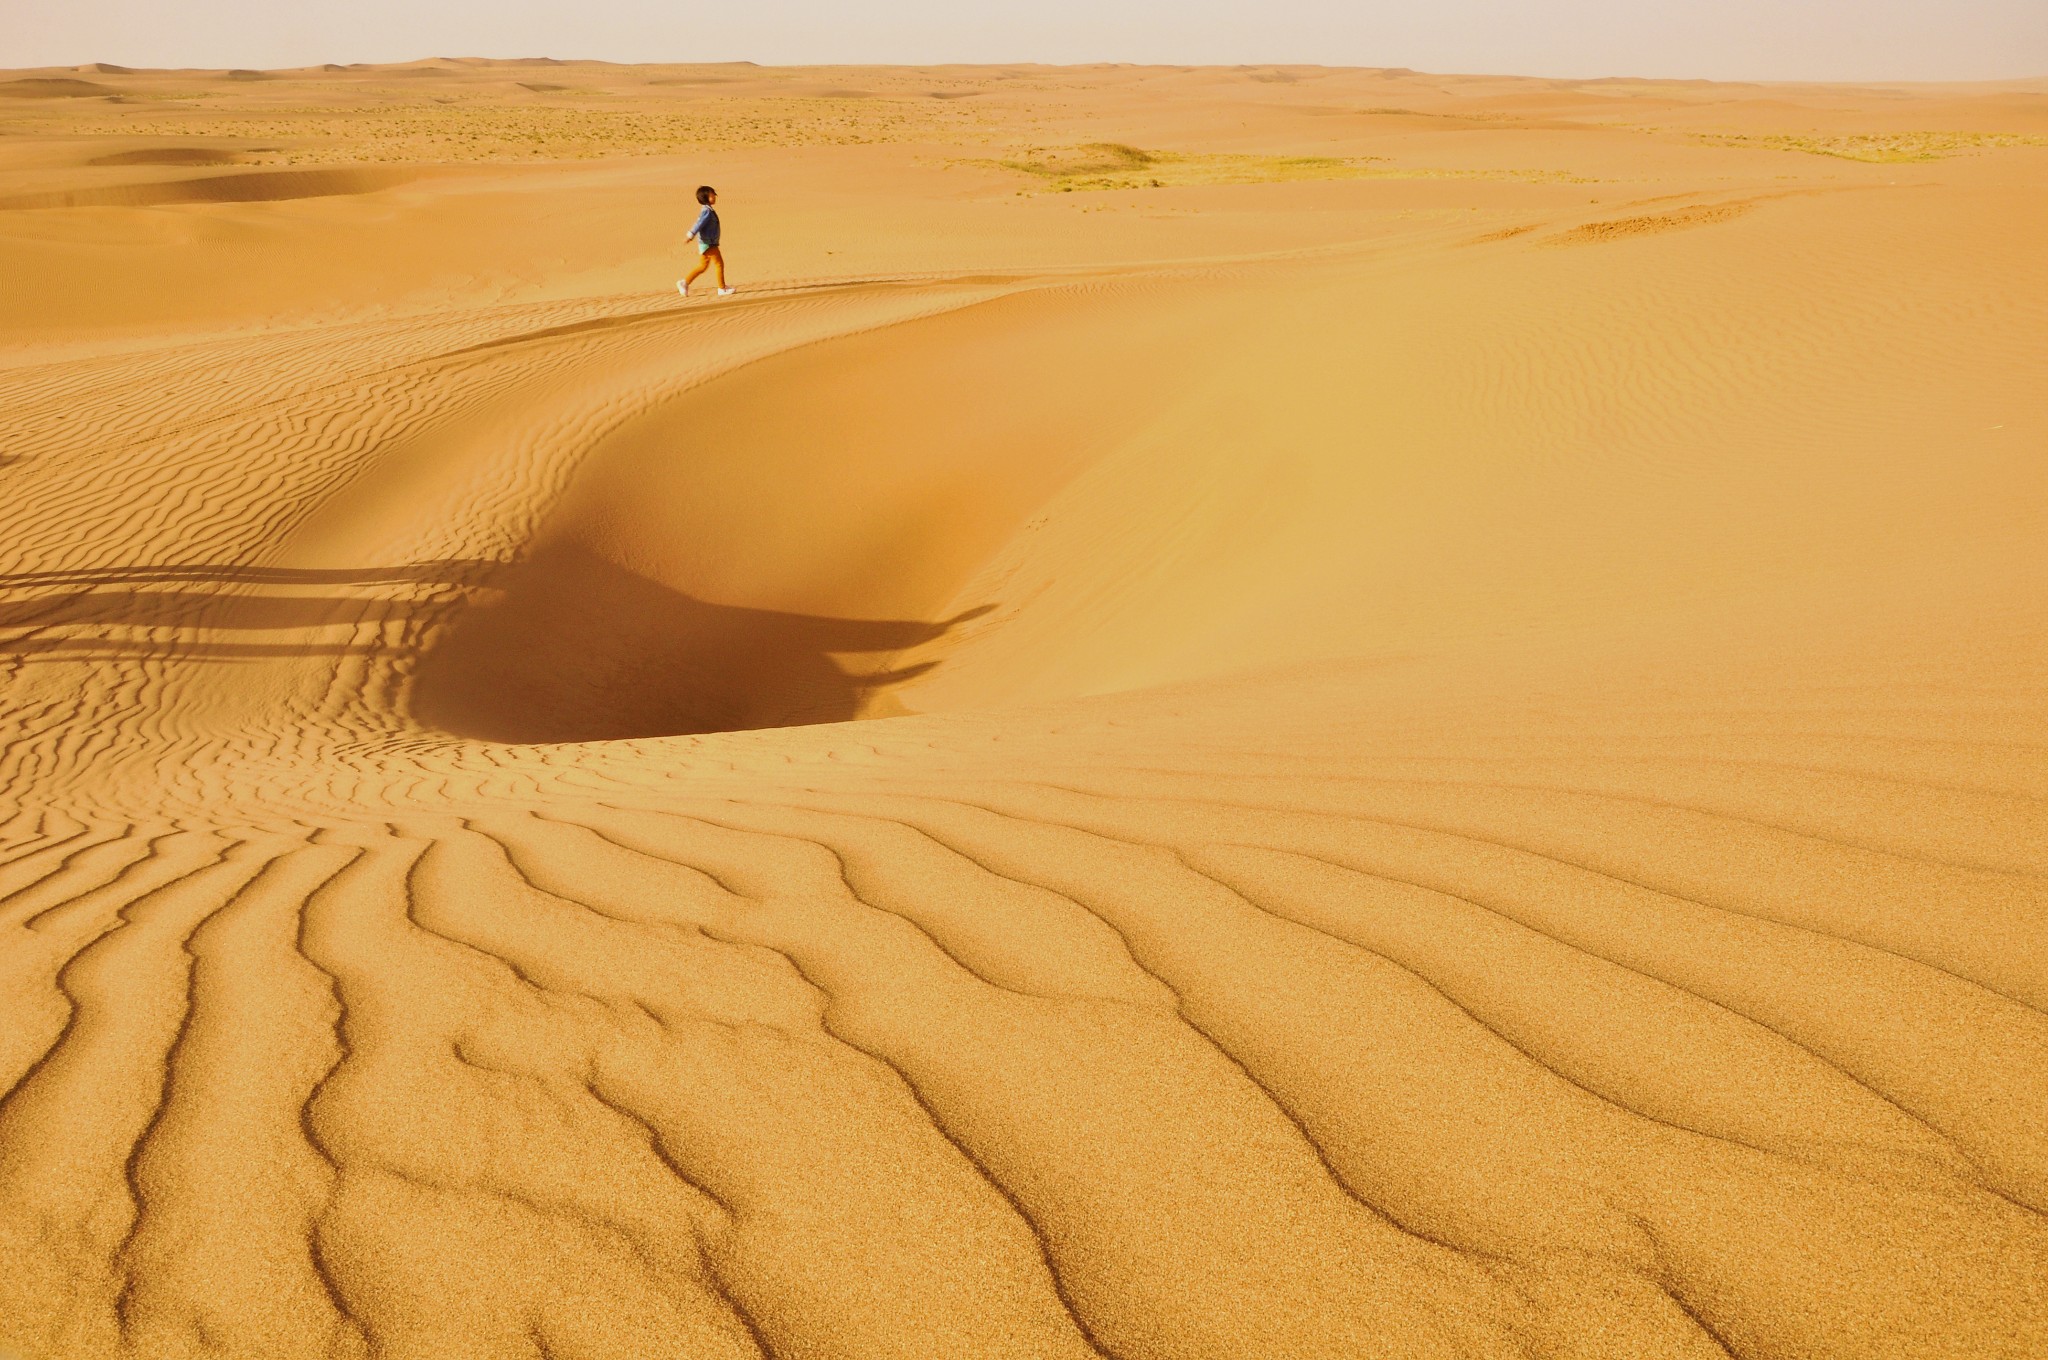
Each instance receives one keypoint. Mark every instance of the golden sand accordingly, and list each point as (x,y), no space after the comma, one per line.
(1456,677)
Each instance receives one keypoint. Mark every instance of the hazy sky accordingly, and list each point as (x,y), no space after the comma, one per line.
(1727,39)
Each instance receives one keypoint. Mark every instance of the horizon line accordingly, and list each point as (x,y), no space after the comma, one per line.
(123,68)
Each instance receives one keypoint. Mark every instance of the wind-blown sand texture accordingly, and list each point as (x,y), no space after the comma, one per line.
(1463,677)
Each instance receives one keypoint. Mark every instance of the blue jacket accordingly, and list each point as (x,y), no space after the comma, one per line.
(706,227)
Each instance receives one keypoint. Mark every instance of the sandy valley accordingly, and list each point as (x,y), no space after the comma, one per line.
(1227,713)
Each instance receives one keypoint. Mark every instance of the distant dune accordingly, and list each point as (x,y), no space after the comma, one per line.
(255,186)
(1280,712)
(163,155)
(51,87)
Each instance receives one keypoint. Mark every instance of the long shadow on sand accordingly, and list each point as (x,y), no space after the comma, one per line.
(563,646)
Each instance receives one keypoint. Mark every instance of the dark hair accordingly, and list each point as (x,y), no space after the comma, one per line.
(704,193)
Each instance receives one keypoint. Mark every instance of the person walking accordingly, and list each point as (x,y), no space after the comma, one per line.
(705,233)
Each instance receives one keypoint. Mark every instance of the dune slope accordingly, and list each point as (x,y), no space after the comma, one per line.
(1296,761)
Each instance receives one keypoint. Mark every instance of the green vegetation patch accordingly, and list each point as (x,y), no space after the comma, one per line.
(1879,147)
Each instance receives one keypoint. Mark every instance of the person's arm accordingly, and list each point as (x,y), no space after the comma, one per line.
(702,216)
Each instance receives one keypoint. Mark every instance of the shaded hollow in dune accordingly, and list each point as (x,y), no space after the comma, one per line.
(833,500)
(567,646)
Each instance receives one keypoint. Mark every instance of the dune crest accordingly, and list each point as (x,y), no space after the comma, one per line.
(1438,760)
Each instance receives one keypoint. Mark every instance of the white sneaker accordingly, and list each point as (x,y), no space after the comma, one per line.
(683,287)
(727,292)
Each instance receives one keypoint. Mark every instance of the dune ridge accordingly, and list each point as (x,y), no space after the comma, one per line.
(255,186)
(1230,769)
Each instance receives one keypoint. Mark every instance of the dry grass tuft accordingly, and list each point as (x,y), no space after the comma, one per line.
(1115,165)
(1879,147)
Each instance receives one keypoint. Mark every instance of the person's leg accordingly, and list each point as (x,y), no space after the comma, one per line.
(703,263)
(719,255)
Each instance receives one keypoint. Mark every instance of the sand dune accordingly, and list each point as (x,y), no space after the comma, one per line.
(1402,716)
(255,186)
